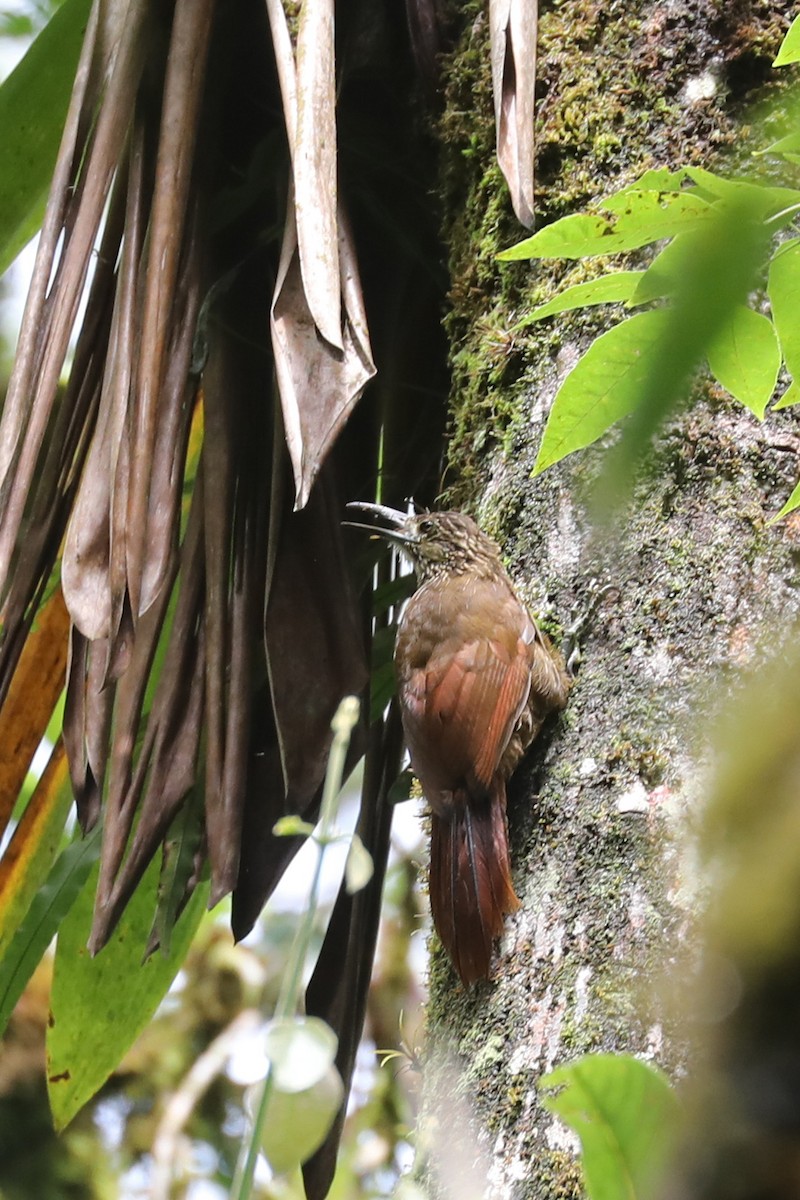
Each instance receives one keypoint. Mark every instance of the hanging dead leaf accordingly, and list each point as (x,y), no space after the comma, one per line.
(236,467)
(150,523)
(77,201)
(318,387)
(315,646)
(316,655)
(165,769)
(320,378)
(314,166)
(513,25)
(87,721)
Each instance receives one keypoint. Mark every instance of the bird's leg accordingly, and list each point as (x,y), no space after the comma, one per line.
(581,622)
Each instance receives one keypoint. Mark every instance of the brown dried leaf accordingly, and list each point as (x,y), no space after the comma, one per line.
(235,537)
(513,25)
(129,702)
(318,387)
(316,655)
(170,754)
(148,529)
(166,767)
(314,166)
(315,647)
(16,409)
(86,564)
(87,721)
(318,286)
(264,856)
(61,460)
(77,201)
(424,29)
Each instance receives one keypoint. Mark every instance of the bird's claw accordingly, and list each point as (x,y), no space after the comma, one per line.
(581,622)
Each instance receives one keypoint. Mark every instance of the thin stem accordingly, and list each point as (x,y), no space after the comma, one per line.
(785,212)
(289,997)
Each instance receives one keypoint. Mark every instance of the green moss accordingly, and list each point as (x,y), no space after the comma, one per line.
(637,752)
(612,106)
(486,1055)
(516,1095)
(583,131)
(609,108)
(560,1178)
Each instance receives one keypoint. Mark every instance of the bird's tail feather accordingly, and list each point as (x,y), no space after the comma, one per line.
(470,880)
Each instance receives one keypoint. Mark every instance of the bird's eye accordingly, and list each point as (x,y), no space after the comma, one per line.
(426,526)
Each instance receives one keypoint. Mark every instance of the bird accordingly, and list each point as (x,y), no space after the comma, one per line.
(476,680)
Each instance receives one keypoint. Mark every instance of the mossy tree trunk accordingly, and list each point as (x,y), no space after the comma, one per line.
(600,812)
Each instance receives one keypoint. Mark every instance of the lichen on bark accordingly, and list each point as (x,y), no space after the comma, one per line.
(601,812)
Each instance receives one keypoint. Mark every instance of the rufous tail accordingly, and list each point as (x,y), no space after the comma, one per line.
(470,879)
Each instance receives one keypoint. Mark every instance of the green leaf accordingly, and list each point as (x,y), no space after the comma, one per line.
(745,357)
(359,868)
(400,791)
(713,185)
(791,504)
(33,108)
(394,591)
(49,907)
(790,396)
(300,1050)
(13,25)
(382,681)
(658,213)
(783,288)
(297,1123)
(786,146)
(762,200)
(636,218)
(657,179)
(100,1005)
(662,277)
(721,264)
(609,289)
(626,1116)
(604,386)
(292,826)
(790,46)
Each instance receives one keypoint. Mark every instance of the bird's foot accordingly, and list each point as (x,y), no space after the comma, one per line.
(582,621)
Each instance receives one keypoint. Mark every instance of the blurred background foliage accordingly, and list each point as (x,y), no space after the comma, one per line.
(107,1150)
(26,18)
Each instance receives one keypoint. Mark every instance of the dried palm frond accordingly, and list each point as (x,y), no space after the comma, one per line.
(198,282)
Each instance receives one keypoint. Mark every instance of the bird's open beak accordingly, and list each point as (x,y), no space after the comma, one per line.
(396,520)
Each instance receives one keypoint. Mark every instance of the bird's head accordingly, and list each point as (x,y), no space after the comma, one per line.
(437,543)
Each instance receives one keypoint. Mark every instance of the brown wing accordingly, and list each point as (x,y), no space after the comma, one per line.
(459,711)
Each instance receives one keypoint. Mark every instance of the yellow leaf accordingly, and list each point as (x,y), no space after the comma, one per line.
(38,682)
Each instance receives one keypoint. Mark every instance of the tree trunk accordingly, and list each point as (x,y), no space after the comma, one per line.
(600,811)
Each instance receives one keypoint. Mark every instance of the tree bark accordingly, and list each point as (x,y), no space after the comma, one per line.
(601,813)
